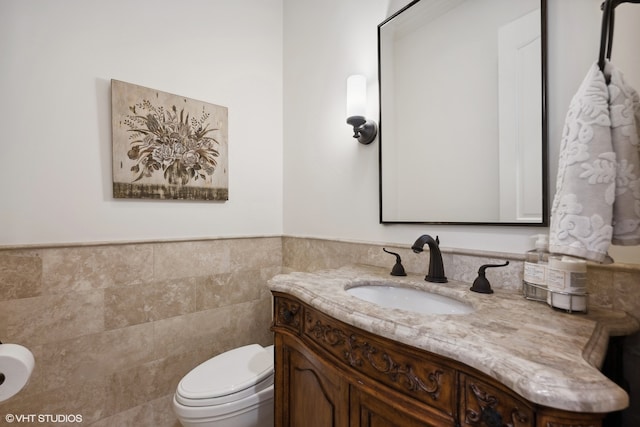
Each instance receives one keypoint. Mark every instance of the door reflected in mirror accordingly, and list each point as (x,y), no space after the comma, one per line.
(462,113)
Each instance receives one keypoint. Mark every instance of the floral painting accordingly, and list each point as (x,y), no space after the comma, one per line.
(167,146)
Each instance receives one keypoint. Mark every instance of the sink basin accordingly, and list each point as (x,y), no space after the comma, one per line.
(409,299)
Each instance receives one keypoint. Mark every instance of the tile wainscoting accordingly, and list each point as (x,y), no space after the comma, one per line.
(113,327)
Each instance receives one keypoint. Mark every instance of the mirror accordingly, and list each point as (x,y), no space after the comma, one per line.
(463,136)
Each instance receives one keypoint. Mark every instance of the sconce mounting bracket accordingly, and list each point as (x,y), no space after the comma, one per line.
(364,130)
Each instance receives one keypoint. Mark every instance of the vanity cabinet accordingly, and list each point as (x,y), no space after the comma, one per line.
(329,373)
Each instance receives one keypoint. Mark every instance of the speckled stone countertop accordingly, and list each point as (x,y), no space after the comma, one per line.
(548,356)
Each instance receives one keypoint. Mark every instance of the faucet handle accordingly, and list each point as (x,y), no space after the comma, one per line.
(398,269)
(481,284)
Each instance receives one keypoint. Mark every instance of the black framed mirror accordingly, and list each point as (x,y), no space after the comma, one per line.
(463,121)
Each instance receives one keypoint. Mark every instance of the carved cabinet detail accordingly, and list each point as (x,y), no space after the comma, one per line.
(287,315)
(486,405)
(399,369)
(331,374)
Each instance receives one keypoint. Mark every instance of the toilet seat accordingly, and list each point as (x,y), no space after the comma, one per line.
(228,377)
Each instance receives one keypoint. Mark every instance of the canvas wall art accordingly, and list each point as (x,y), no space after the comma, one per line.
(167,146)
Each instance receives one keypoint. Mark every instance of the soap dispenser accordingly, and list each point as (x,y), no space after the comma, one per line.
(536,262)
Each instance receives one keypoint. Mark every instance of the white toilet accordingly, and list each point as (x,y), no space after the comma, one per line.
(233,389)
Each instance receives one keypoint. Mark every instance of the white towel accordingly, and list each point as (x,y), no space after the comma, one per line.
(598,186)
(624,109)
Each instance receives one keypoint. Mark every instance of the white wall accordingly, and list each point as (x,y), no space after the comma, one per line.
(57,60)
(331,181)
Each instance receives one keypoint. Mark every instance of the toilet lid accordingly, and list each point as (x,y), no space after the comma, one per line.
(228,373)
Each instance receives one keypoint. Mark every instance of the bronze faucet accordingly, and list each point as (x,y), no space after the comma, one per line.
(436,267)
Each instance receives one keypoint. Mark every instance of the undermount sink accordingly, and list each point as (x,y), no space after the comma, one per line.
(410,299)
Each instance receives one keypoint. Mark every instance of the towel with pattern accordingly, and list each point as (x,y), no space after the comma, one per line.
(597,199)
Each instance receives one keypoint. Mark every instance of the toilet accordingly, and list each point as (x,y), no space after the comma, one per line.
(232,389)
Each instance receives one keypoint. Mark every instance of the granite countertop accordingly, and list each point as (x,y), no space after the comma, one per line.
(546,355)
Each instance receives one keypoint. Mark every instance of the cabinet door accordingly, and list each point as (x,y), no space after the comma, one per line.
(371,409)
(314,393)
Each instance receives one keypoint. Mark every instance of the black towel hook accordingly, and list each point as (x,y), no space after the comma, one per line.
(606,36)
(606,33)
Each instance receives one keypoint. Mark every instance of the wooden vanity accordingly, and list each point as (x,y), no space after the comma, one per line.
(330,372)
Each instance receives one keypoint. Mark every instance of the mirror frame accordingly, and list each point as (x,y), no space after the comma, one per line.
(544,128)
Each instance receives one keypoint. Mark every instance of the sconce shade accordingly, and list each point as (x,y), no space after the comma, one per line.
(356,96)
(364,130)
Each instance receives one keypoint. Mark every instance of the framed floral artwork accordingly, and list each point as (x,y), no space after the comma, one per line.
(167,146)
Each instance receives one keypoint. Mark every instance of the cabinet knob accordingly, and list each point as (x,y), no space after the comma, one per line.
(491,417)
(287,316)
(288,313)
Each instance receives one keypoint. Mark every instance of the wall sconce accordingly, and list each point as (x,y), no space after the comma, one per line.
(364,130)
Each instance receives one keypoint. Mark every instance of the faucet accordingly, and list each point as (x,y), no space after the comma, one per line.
(436,267)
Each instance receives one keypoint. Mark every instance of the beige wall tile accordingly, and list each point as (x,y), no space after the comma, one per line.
(135,386)
(232,288)
(305,255)
(64,363)
(86,399)
(20,276)
(600,286)
(266,274)
(50,318)
(218,328)
(254,254)
(131,305)
(156,413)
(95,267)
(139,384)
(244,329)
(627,292)
(191,259)
(259,324)
(199,329)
